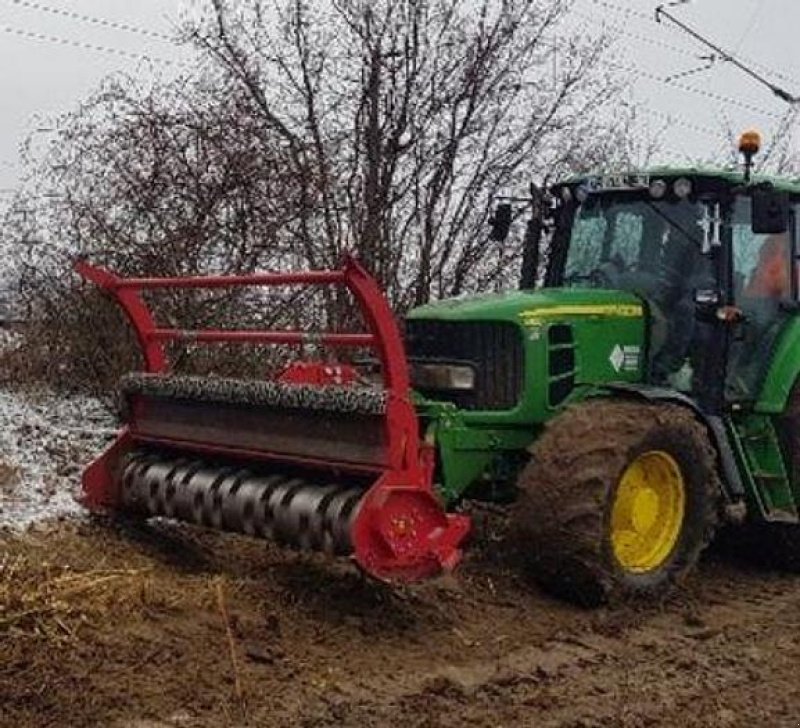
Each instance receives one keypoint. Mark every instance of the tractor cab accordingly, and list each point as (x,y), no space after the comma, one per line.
(711,255)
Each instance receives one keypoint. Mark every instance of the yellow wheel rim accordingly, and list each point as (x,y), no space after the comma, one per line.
(648,512)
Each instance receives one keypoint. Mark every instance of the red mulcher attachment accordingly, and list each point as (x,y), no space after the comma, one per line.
(312,459)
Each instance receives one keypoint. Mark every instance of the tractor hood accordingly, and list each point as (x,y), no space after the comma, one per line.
(529,307)
(531,351)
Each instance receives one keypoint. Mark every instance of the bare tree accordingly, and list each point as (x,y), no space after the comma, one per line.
(402,119)
(382,127)
(780,155)
(779,149)
(168,182)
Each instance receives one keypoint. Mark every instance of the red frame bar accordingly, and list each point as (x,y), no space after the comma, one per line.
(316,277)
(383,337)
(263,455)
(262,337)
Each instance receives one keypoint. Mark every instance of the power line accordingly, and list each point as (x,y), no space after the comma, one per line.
(671,117)
(681,50)
(679,120)
(678,50)
(57,40)
(771,71)
(624,11)
(749,25)
(619,9)
(671,81)
(640,73)
(776,90)
(93,20)
(668,117)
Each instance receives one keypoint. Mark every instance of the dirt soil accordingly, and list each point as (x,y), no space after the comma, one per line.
(148,627)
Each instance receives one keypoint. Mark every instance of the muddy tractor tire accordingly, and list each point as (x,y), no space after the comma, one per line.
(618,500)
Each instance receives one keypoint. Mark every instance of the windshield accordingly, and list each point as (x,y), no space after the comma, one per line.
(648,247)
(653,248)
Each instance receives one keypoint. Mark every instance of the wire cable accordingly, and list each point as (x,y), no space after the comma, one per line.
(781,93)
(92,19)
(672,81)
(678,120)
(630,12)
(748,26)
(57,40)
(615,8)
(623,30)
(640,73)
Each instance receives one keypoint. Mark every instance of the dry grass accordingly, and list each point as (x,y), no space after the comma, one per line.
(74,595)
(52,603)
(52,594)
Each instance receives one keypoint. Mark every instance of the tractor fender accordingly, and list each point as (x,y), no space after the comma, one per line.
(732,486)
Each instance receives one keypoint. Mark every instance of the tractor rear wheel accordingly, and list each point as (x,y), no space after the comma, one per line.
(618,499)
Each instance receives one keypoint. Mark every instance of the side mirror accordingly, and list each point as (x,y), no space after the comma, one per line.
(770,212)
(500,222)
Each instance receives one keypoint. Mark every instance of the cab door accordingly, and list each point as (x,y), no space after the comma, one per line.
(765,289)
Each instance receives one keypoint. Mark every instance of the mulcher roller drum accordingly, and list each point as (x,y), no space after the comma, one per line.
(285,509)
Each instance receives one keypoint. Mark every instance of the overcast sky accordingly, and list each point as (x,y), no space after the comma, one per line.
(50,61)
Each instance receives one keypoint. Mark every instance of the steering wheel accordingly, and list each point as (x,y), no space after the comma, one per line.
(608,273)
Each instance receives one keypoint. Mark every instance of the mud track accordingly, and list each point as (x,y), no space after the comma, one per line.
(122,627)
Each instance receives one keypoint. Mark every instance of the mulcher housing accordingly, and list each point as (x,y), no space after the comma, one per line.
(302,459)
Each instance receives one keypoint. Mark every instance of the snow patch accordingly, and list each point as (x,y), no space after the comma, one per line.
(46,440)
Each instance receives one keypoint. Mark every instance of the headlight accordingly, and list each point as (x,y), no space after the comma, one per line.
(443,376)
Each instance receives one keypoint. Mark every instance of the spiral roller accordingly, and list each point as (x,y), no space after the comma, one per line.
(278,507)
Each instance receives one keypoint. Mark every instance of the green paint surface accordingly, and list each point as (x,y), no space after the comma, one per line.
(479,445)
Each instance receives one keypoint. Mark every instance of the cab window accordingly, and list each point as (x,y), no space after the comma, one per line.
(763,272)
(762,263)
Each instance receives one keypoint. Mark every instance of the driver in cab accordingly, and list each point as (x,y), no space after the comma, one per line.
(769,284)
(771,277)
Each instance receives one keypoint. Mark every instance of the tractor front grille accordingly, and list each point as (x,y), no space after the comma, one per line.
(494,350)
(561,363)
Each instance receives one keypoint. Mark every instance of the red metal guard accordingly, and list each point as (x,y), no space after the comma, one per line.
(401,531)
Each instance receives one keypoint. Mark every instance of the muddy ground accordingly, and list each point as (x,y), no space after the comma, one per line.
(121,626)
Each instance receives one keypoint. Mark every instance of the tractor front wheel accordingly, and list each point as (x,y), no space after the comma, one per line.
(618,499)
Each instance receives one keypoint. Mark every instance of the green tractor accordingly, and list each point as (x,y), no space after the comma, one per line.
(653,377)
(644,395)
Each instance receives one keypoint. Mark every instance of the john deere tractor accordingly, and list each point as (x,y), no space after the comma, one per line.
(654,377)
(640,389)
